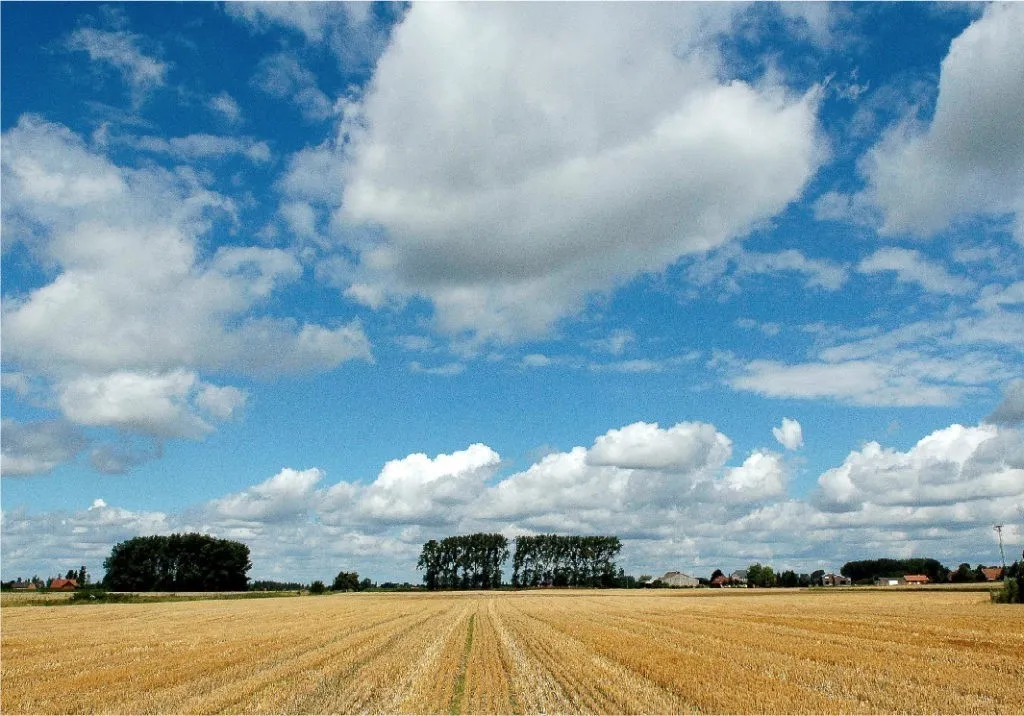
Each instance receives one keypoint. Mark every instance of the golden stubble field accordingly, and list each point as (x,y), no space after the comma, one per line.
(528,652)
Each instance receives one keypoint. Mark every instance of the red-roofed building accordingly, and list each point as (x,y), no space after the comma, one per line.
(992,574)
(915,579)
(63,585)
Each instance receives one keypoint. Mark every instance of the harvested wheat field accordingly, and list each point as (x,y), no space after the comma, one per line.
(529,652)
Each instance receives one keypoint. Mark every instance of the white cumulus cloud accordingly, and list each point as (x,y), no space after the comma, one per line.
(575,147)
(969,159)
(420,489)
(155,404)
(136,308)
(955,464)
(287,494)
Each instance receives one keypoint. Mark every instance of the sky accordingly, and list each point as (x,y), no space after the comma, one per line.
(735,282)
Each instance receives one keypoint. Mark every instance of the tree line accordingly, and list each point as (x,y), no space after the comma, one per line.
(475,561)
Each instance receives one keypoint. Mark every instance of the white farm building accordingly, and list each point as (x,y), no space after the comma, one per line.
(678,579)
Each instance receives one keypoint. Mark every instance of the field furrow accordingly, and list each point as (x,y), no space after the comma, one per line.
(488,688)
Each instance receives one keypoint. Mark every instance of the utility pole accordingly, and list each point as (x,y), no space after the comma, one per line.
(1002,555)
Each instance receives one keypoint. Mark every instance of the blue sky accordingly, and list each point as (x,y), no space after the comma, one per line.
(735,282)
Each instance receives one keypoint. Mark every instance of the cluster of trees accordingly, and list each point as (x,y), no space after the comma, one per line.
(464,562)
(179,562)
(867,570)
(1013,585)
(765,576)
(566,561)
(965,574)
(475,562)
(81,576)
(350,582)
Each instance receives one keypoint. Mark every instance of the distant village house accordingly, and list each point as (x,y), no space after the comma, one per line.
(63,585)
(835,580)
(679,579)
(888,581)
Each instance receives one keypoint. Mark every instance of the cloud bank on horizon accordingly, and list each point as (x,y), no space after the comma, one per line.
(482,236)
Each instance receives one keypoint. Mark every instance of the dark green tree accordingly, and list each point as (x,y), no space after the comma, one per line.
(963,573)
(1013,585)
(346,582)
(317,587)
(178,562)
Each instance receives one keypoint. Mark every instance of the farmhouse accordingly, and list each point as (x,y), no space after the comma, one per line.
(835,580)
(678,579)
(915,579)
(739,576)
(992,574)
(63,585)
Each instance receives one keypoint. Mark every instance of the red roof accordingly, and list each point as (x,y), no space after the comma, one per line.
(992,573)
(916,579)
(63,584)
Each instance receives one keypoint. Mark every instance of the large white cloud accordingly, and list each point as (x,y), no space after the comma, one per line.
(286,494)
(520,157)
(420,489)
(645,446)
(629,473)
(970,158)
(154,404)
(134,300)
(955,465)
